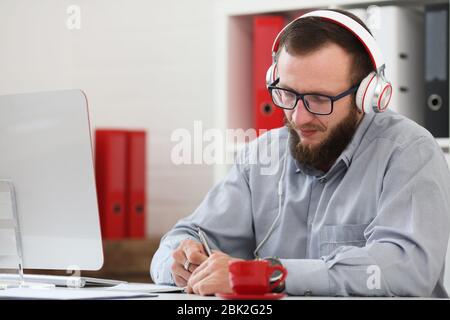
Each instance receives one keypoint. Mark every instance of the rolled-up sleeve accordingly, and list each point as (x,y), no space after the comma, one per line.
(225,215)
(406,242)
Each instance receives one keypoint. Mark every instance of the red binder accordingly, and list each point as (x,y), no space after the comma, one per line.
(110,172)
(266,114)
(136,185)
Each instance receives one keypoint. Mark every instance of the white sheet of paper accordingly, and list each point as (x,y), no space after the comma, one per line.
(68,294)
(145,287)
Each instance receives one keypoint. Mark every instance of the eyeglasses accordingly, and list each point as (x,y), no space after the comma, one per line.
(315,103)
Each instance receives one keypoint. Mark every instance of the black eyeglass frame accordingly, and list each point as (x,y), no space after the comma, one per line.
(301,96)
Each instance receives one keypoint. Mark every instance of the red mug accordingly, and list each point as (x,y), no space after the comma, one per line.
(253,276)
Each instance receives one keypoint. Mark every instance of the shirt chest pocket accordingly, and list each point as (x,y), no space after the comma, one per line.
(335,236)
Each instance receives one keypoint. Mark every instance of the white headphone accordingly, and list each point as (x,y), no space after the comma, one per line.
(375,91)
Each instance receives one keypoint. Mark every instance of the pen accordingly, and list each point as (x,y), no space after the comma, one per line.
(202,236)
(204,242)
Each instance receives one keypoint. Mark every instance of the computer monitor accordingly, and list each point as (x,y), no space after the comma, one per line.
(46,151)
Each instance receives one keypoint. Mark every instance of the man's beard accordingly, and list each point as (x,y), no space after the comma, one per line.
(324,155)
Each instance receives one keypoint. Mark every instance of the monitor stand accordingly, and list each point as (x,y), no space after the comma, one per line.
(11,257)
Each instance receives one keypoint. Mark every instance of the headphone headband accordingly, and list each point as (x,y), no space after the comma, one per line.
(351,25)
(375,90)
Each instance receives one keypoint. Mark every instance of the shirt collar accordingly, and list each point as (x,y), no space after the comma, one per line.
(350,150)
(346,155)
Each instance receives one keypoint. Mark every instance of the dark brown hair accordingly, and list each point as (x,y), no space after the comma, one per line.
(312,33)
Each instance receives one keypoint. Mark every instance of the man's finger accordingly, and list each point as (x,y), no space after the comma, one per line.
(201,267)
(207,286)
(196,254)
(178,270)
(179,256)
(189,288)
(199,274)
(179,281)
(193,267)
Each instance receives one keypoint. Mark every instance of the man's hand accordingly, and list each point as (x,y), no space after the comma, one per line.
(211,276)
(188,250)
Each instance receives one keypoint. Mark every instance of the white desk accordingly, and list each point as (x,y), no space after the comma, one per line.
(184,296)
(89,293)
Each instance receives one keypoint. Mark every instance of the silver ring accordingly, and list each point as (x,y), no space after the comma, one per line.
(186,265)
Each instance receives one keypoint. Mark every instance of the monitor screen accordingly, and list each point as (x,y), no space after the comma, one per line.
(46,152)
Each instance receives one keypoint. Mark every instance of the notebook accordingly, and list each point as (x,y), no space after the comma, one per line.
(146,288)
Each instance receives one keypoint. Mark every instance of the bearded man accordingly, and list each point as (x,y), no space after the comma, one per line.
(357,191)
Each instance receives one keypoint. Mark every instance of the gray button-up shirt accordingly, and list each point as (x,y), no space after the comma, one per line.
(377,223)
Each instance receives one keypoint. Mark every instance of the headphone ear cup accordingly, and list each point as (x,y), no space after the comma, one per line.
(385,96)
(366,91)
